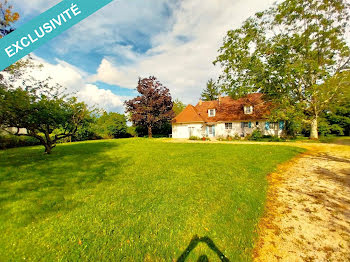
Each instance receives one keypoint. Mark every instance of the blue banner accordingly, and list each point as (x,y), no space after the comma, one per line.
(44,27)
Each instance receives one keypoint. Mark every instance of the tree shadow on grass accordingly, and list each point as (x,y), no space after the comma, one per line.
(333,158)
(194,242)
(34,185)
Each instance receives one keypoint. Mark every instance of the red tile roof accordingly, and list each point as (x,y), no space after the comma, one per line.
(227,110)
(189,114)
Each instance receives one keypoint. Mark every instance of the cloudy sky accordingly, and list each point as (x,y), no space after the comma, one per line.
(101,58)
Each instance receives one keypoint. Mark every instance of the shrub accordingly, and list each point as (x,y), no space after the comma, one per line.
(10,141)
(194,138)
(221,138)
(131,130)
(256,135)
(247,137)
(276,139)
(237,137)
(337,129)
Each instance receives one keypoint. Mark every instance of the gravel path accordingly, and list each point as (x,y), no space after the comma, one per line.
(307,214)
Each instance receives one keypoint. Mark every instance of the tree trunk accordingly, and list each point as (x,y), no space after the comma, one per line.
(48,147)
(314,128)
(149,131)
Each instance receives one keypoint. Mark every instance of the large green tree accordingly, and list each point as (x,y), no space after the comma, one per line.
(295,53)
(211,92)
(44,112)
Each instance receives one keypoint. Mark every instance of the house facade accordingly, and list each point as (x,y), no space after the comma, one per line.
(226,117)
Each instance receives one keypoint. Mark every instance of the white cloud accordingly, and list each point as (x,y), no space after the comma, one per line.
(184,37)
(76,83)
(120,21)
(182,57)
(100,98)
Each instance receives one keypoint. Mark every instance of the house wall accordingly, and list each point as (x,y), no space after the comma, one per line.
(182,130)
(237,128)
(221,131)
(271,132)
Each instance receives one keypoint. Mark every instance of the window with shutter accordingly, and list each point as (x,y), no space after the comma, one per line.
(244,124)
(281,125)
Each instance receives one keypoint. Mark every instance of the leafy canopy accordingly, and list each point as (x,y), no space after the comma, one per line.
(295,52)
(152,107)
(110,125)
(178,106)
(42,111)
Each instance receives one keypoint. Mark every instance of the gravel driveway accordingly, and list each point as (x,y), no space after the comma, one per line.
(307,215)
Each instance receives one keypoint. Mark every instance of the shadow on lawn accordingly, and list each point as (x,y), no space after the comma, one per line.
(42,184)
(194,242)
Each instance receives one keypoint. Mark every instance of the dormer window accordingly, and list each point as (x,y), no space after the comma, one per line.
(211,112)
(248,110)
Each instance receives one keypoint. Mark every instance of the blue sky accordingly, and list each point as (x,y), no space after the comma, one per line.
(101,58)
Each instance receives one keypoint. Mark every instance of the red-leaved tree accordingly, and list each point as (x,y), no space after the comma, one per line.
(153,106)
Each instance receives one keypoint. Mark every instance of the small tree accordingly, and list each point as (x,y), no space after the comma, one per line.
(42,111)
(110,125)
(152,107)
(178,106)
(211,92)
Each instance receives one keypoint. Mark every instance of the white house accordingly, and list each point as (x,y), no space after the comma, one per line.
(226,117)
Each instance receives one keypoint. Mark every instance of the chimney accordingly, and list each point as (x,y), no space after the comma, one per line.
(200,102)
(219,99)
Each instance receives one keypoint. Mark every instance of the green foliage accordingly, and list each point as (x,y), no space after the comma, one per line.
(41,110)
(337,119)
(276,139)
(162,129)
(211,92)
(10,141)
(295,53)
(84,133)
(133,199)
(110,125)
(293,127)
(131,130)
(256,135)
(178,106)
(194,138)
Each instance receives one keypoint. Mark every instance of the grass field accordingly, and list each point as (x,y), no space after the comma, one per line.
(133,200)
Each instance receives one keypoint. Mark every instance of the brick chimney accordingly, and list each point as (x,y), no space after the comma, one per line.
(200,102)
(219,99)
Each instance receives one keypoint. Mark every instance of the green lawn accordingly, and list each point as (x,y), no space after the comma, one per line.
(133,200)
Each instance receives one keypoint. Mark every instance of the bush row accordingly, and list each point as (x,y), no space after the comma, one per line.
(10,141)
